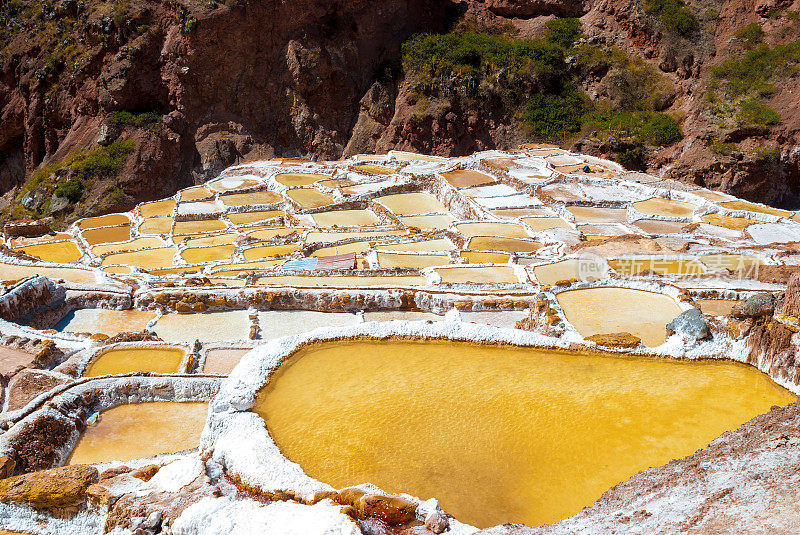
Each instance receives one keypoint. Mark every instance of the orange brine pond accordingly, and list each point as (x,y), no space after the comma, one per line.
(171,427)
(505,434)
(131,360)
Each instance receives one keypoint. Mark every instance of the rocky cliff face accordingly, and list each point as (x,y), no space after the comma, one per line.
(137,98)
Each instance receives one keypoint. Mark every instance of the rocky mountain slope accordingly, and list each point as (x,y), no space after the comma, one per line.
(107,103)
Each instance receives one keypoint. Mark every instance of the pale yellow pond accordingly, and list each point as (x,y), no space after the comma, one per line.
(274,232)
(103,221)
(223,360)
(477,275)
(412,203)
(156,225)
(245,218)
(132,360)
(504,434)
(353,247)
(549,274)
(96,236)
(657,226)
(372,169)
(218,239)
(9,272)
(539,224)
(727,221)
(508,230)
(481,257)
(197,255)
(309,198)
(753,207)
(171,427)
(59,252)
(665,207)
(257,197)
(731,262)
(425,246)
(299,179)
(197,227)
(138,243)
(344,282)
(104,321)
(414,261)
(716,307)
(268,251)
(511,245)
(159,208)
(345,218)
(194,194)
(591,214)
(661,266)
(432,221)
(146,259)
(613,310)
(467,178)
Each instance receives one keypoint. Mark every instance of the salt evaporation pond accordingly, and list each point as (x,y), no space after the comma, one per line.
(613,310)
(208,327)
(132,360)
(170,427)
(502,434)
(102,321)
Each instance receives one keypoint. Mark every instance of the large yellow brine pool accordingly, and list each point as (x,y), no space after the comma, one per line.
(496,433)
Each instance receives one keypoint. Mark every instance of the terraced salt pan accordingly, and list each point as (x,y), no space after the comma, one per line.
(204,207)
(716,307)
(279,323)
(97,236)
(257,197)
(731,262)
(764,233)
(344,282)
(234,269)
(467,178)
(246,218)
(104,321)
(661,266)
(485,257)
(207,327)
(412,203)
(533,435)
(391,315)
(665,207)
(511,245)
(146,259)
(171,427)
(358,247)
(194,194)
(372,169)
(158,208)
(328,237)
(657,226)
(198,227)
(606,310)
(133,360)
(156,225)
(198,255)
(422,246)
(477,275)
(103,221)
(494,190)
(9,272)
(507,230)
(231,183)
(223,360)
(345,218)
(310,198)
(510,201)
(569,269)
(410,260)
(538,224)
(591,214)
(218,239)
(753,207)
(427,222)
(727,221)
(274,232)
(57,252)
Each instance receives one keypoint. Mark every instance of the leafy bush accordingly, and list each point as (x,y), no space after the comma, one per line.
(552,115)
(750,35)
(147,119)
(563,31)
(724,149)
(117,193)
(661,129)
(674,16)
(754,112)
(70,189)
(100,163)
(440,55)
(752,72)
(632,158)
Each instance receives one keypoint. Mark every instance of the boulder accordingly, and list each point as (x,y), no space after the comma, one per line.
(436,521)
(58,488)
(691,324)
(759,305)
(624,340)
(7,465)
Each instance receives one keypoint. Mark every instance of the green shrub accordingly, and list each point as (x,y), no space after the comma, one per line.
(563,32)
(100,163)
(147,119)
(674,16)
(70,189)
(752,72)
(754,112)
(751,35)
(631,158)
(724,149)
(117,193)
(551,116)
(661,129)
